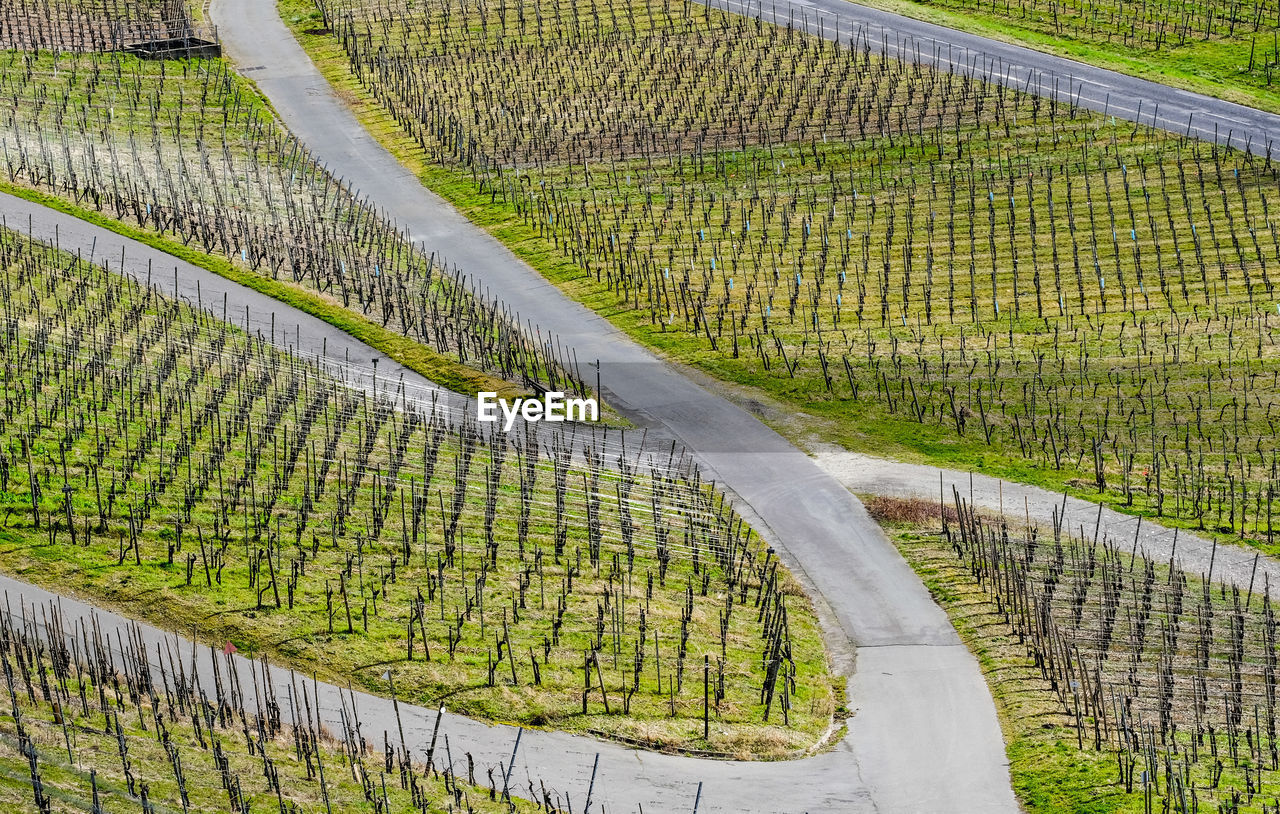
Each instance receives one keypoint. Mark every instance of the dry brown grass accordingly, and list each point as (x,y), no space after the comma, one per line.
(907,511)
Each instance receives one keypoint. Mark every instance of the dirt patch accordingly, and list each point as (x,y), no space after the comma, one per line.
(912,511)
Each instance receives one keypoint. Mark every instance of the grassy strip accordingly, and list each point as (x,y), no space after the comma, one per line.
(438,368)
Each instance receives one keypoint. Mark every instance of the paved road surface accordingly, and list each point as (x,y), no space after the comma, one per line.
(924,737)
(864,474)
(243,306)
(567,773)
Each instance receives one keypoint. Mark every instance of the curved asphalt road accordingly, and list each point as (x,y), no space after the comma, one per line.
(250,310)
(1016,66)
(925,737)
(925,732)
(563,761)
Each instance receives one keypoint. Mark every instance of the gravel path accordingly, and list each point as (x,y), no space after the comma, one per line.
(864,474)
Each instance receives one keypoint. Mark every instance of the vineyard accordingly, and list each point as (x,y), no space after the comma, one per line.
(155,28)
(94,724)
(1221,48)
(955,265)
(1163,680)
(156,458)
(1032,288)
(1155,26)
(186,150)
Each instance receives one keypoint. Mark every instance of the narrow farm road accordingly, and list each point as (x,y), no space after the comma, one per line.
(916,685)
(925,736)
(867,475)
(1016,66)
(925,732)
(604,776)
